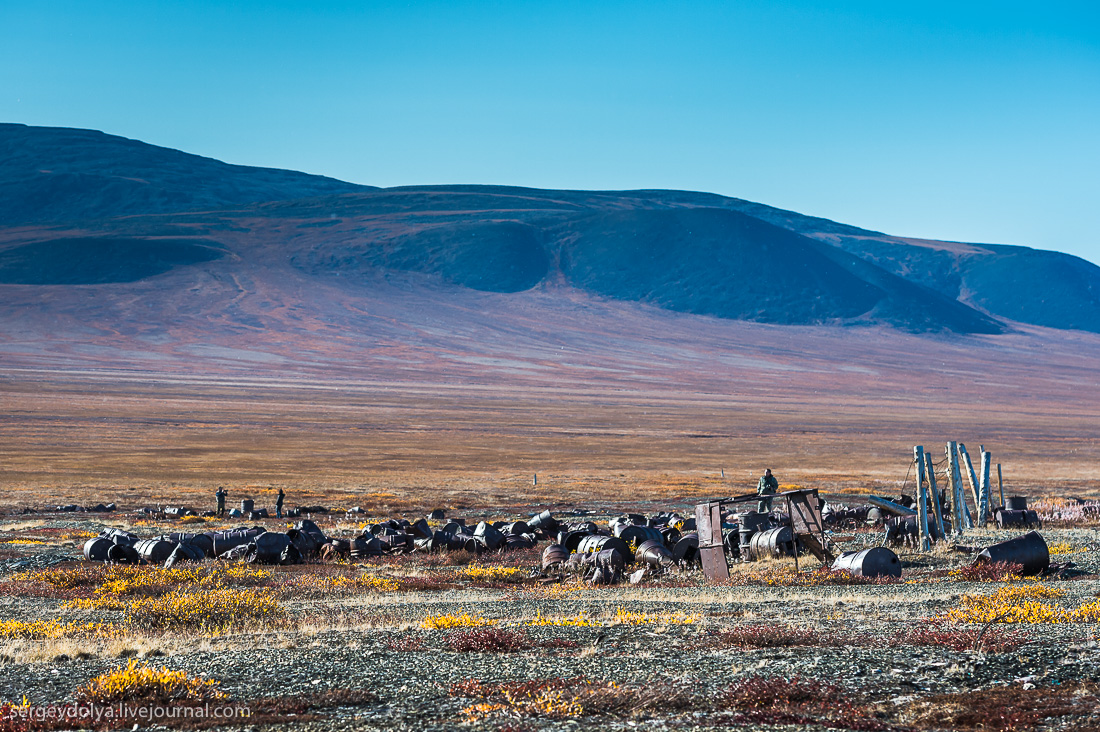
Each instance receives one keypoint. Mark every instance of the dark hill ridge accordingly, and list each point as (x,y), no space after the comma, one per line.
(55,174)
(689,252)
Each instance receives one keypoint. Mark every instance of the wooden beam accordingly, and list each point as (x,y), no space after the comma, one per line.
(1001,485)
(983,489)
(937,509)
(958,499)
(922,500)
(971,476)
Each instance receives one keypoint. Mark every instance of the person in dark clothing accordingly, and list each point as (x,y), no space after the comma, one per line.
(279,504)
(766,488)
(220,495)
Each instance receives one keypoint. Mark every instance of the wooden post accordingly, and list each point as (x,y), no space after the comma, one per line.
(1001,485)
(958,500)
(930,469)
(983,489)
(922,500)
(971,476)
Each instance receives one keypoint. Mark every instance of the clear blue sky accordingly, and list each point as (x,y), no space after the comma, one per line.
(956,120)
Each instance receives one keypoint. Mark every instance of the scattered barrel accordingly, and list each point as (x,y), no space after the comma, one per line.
(572,539)
(874,562)
(313,530)
(437,514)
(516,528)
(203,542)
(454,527)
(686,550)
(543,522)
(1016,503)
(1007,518)
(420,529)
(778,542)
(183,553)
(118,536)
(96,549)
(655,554)
(636,535)
(226,540)
(1029,550)
(270,546)
(519,541)
(247,506)
(555,554)
(365,545)
(154,551)
(491,538)
(593,544)
(732,543)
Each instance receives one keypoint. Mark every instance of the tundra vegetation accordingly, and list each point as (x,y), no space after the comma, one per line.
(488,641)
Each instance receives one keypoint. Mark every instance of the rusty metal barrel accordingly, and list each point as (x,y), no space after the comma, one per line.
(96,548)
(686,550)
(749,524)
(1029,550)
(636,535)
(593,544)
(654,553)
(204,542)
(1007,518)
(226,540)
(1016,503)
(778,542)
(365,545)
(154,551)
(572,539)
(874,562)
(543,522)
(554,554)
(516,528)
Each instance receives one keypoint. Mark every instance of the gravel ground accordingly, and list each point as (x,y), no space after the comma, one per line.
(413,687)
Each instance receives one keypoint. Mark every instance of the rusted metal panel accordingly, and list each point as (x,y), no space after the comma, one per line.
(708,523)
(806,513)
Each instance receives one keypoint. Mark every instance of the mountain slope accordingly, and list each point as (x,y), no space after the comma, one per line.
(79,207)
(50,175)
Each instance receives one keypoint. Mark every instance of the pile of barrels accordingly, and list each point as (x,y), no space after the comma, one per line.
(656,544)
(253,544)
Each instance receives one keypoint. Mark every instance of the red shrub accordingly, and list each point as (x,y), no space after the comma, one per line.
(489,640)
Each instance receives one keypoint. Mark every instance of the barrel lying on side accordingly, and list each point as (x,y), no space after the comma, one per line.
(1030,551)
(777,542)
(593,544)
(655,554)
(554,556)
(874,562)
(154,551)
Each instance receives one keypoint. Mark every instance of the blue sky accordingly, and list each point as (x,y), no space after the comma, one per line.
(954,120)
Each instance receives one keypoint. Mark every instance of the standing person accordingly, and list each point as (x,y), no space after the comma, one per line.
(279,504)
(220,495)
(766,488)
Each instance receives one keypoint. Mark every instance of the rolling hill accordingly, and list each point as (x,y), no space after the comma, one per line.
(82,208)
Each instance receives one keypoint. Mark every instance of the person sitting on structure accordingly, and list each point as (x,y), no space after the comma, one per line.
(220,495)
(766,488)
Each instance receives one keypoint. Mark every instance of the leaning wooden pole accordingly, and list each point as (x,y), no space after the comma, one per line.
(958,502)
(971,476)
(922,500)
(1001,485)
(937,509)
(983,489)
